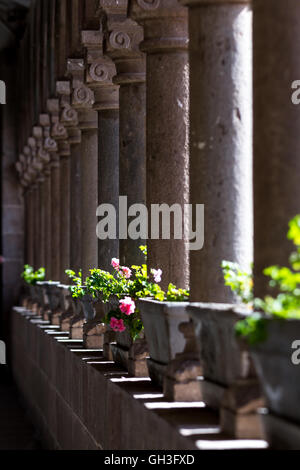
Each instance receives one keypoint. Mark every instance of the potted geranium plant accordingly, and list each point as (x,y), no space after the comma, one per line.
(273,333)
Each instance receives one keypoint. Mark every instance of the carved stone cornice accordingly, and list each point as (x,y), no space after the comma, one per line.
(165,24)
(123,37)
(82,97)
(100,70)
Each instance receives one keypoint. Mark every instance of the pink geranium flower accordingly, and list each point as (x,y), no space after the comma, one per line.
(156,274)
(127,306)
(115,263)
(126,271)
(117,325)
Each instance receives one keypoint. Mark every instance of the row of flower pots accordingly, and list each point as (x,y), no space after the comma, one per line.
(225,360)
(235,374)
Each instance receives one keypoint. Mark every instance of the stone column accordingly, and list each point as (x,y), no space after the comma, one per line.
(69,119)
(220,140)
(83,100)
(100,71)
(50,146)
(60,135)
(276,133)
(45,201)
(165,45)
(122,44)
(27,182)
(48,221)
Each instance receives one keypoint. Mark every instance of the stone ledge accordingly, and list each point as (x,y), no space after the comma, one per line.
(79,400)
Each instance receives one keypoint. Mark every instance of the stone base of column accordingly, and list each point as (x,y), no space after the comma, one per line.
(133,359)
(189,390)
(66,320)
(93,334)
(157,371)
(238,406)
(76,327)
(241,425)
(280,433)
(33,306)
(46,315)
(55,317)
(108,340)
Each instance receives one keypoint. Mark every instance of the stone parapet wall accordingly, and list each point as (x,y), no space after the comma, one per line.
(78,400)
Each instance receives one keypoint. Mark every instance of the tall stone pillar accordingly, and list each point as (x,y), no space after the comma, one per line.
(165,44)
(27,181)
(50,146)
(276,132)
(69,119)
(45,201)
(60,135)
(122,44)
(220,140)
(83,100)
(48,221)
(100,71)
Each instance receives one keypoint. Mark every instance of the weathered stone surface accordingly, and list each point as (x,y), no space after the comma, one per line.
(220,140)
(165,44)
(241,426)
(276,143)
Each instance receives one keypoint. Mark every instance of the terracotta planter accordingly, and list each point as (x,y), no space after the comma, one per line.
(280,382)
(230,382)
(161,322)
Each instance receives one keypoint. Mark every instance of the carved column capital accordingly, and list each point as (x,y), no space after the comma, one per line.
(165,24)
(100,70)
(123,37)
(82,97)
(68,116)
(58,131)
(49,144)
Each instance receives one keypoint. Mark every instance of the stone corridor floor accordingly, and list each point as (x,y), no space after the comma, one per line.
(16,431)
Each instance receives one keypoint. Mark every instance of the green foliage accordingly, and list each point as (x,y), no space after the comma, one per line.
(77,289)
(240,282)
(103,282)
(176,295)
(253,328)
(31,276)
(286,281)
